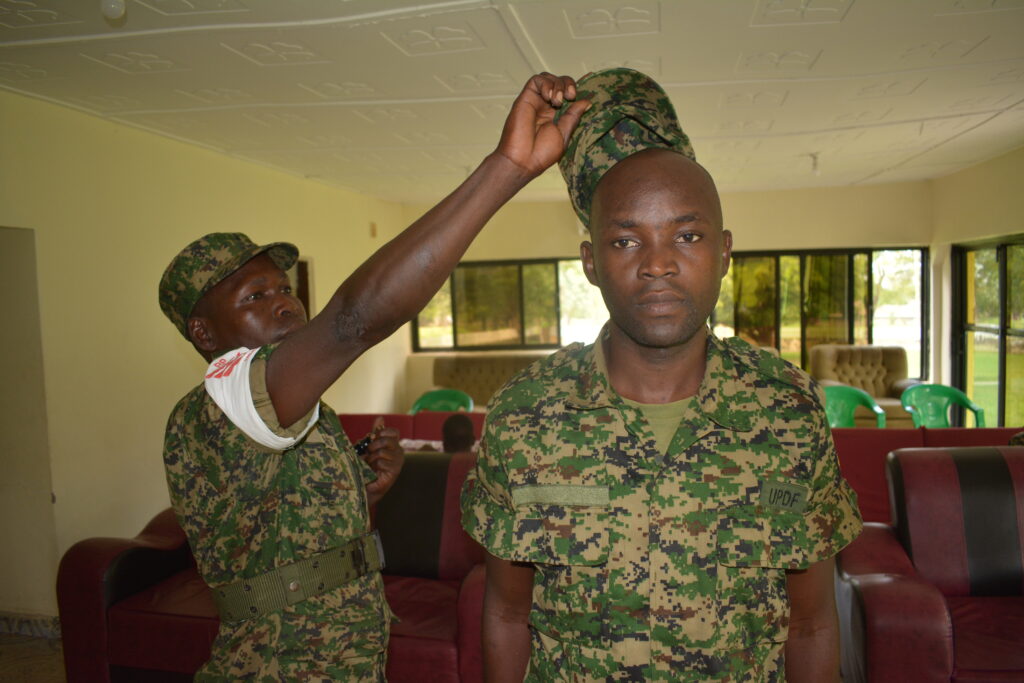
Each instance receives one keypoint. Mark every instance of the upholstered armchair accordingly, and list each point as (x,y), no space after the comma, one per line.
(938,594)
(881,371)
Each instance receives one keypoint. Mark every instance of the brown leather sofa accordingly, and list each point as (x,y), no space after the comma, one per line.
(881,371)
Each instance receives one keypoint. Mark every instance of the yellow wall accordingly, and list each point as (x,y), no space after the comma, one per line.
(27,532)
(110,205)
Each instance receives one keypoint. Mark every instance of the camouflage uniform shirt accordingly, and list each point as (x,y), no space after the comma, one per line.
(247,509)
(652,566)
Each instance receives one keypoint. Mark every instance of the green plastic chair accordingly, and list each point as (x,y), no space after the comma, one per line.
(443,400)
(842,400)
(928,405)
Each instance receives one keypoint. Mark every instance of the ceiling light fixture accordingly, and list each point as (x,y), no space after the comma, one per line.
(112,9)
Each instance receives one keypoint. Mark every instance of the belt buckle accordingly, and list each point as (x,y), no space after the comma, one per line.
(380,548)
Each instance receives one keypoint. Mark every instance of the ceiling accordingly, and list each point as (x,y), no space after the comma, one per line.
(400,99)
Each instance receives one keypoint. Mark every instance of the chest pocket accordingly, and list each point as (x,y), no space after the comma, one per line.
(561,524)
(755,547)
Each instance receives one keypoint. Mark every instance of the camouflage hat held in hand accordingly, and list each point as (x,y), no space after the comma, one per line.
(207,261)
(628,113)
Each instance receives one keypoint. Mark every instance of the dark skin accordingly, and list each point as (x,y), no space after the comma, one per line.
(255,306)
(658,253)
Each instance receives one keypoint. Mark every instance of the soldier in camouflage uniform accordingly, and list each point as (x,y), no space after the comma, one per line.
(660,505)
(271,495)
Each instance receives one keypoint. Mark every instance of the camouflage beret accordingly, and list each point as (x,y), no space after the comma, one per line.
(628,113)
(207,261)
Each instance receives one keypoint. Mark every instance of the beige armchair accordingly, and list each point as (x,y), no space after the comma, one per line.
(879,370)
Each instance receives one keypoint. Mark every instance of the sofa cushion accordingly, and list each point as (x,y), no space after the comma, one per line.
(169,626)
(862,461)
(423,644)
(988,637)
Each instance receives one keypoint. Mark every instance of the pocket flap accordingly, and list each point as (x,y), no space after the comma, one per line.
(753,536)
(561,524)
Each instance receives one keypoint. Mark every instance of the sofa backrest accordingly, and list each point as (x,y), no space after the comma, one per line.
(862,457)
(959,513)
(419,519)
(871,368)
(358,425)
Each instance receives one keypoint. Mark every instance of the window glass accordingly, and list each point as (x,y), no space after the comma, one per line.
(487,309)
(580,306)
(434,323)
(1014,395)
(723,317)
(983,288)
(789,301)
(861,278)
(1015,286)
(983,373)
(756,299)
(540,303)
(824,296)
(897,307)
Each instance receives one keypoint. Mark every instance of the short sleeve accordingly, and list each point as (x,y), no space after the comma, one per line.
(488,514)
(832,516)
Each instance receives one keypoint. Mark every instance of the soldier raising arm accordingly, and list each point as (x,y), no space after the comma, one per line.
(263,480)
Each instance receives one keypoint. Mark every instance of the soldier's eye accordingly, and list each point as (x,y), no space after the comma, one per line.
(690,237)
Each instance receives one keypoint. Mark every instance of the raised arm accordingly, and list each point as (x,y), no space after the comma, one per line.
(397,281)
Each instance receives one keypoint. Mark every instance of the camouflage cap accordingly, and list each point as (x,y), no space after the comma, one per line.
(628,113)
(207,261)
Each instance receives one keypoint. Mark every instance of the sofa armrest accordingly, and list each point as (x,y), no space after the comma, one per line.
(904,629)
(97,572)
(876,551)
(470,613)
(825,382)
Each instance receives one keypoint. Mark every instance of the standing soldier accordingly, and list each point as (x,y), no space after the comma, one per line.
(266,486)
(661,505)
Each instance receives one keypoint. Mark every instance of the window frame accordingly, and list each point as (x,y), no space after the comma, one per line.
(961,328)
(522,346)
(850,253)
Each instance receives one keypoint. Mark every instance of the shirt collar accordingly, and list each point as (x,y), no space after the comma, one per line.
(718,389)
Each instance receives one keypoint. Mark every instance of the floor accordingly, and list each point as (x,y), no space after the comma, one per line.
(24,659)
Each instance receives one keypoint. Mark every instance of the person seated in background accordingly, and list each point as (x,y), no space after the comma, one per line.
(272,498)
(457,433)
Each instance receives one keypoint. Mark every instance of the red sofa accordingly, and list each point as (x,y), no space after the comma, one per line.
(862,456)
(937,595)
(423,426)
(136,609)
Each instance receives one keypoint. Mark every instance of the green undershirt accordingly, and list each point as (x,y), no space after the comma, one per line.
(663,419)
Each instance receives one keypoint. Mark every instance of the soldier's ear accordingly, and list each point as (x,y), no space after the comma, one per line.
(587,257)
(202,334)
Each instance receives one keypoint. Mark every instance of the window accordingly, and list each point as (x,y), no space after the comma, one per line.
(988,319)
(796,300)
(511,305)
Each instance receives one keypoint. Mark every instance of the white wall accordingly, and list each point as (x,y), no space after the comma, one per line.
(109,207)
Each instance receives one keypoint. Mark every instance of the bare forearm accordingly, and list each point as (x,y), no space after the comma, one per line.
(506,649)
(812,653)
(401,277)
